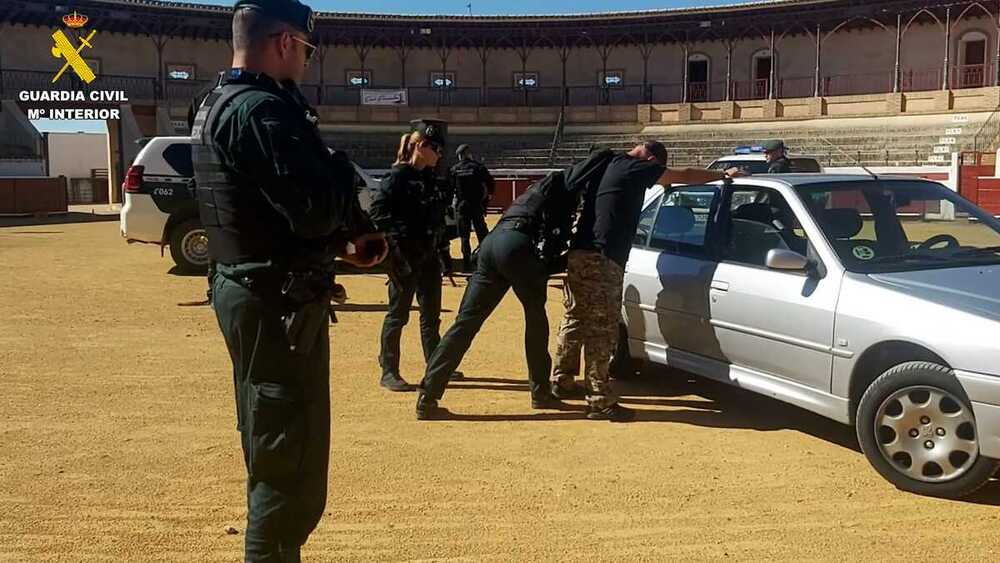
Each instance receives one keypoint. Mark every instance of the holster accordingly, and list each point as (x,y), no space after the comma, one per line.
(307,308)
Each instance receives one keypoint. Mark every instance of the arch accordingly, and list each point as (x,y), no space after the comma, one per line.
(844,23)
(798,26)
(969,8)
(913,19)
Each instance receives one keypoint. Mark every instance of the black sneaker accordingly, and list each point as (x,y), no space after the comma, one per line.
(614,413)
(571,391)
(393,382)
(547,402)
(456,376)
(428,409)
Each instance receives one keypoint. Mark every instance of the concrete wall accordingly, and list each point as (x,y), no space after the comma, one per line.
(74,154)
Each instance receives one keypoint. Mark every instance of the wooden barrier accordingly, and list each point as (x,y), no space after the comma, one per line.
(512,183)
(24,196)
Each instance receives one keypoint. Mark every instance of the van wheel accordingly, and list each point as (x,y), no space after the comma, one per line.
(623,365)
(916,427)
(189,246)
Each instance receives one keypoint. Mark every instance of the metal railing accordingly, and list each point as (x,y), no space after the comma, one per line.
(854,84)
(557,136)
(988,134)
(910,80)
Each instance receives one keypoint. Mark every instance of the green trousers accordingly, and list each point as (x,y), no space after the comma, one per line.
(282,413)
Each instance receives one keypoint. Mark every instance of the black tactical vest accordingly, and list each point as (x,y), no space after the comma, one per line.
(469,185)
(240,224)
(548,209)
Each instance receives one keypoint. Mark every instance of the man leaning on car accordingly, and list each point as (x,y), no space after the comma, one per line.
(594,278)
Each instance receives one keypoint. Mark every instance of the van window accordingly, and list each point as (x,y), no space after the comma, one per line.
(178,156)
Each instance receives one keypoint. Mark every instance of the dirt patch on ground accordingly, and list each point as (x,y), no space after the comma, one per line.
(118,443)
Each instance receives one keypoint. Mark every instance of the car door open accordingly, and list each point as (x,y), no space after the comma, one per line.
(772,310)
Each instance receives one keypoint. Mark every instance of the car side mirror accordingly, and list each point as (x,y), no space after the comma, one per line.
(780,259)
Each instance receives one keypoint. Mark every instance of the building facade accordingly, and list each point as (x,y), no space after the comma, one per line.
(783,49)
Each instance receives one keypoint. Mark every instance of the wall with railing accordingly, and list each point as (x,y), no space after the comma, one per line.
(851,61)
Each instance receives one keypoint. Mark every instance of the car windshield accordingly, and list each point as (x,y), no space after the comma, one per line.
(902,225)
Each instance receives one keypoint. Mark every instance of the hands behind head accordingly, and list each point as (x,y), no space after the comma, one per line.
(366,251)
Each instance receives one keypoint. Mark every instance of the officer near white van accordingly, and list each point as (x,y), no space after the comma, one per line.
(777,157)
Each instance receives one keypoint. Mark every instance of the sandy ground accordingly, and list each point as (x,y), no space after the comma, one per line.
(117,443)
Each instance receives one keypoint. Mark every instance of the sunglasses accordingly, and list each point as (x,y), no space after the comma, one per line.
(434,147)
(310,48)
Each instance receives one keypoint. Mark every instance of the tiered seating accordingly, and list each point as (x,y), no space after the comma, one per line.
(881,142)
(895,141)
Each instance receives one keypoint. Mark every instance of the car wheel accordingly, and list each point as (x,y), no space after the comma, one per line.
(623,365)
(189,246)
(916,427)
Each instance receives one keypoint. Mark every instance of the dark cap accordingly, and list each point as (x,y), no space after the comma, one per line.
(773,145)
(462,149)
(292,12)
(657,149)
(434,130)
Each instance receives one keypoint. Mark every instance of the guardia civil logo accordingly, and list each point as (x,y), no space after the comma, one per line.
(78,102)
(64,49)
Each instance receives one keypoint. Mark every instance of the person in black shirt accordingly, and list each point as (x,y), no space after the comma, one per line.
(598,254)
(278,207)
(777,160)
(473,187)
(409,207)
(526,247)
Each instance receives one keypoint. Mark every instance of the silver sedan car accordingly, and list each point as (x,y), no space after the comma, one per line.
(871,301)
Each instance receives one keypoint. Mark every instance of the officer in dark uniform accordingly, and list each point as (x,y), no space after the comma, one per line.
(409,207)
(473,186)
(277,207)
(777,160)
(521,252)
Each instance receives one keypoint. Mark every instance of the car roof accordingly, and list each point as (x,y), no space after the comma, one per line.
(796,180)
(759,156)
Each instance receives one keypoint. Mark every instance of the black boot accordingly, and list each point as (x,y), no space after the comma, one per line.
(428,409)
(546,401)
(393,382)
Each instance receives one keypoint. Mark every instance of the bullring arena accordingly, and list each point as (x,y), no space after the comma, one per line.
(116,416)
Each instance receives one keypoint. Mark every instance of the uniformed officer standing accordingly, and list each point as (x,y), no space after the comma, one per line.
(777,160)
(473,186)
(521,252)
(410,209)
(277,207)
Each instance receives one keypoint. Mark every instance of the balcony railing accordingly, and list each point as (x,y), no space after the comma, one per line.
(182,91)
(853,84)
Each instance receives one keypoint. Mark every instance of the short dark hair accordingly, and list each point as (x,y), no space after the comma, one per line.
(251,27)
(656,149)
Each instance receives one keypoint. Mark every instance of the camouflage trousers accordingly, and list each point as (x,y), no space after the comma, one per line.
(593,300)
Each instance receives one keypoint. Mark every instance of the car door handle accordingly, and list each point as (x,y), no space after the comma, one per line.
(719,285)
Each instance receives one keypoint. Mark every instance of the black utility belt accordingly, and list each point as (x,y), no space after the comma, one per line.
(298,286)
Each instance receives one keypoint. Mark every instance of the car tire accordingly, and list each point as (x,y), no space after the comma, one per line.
(189,246)
(916,427)
(623,365)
